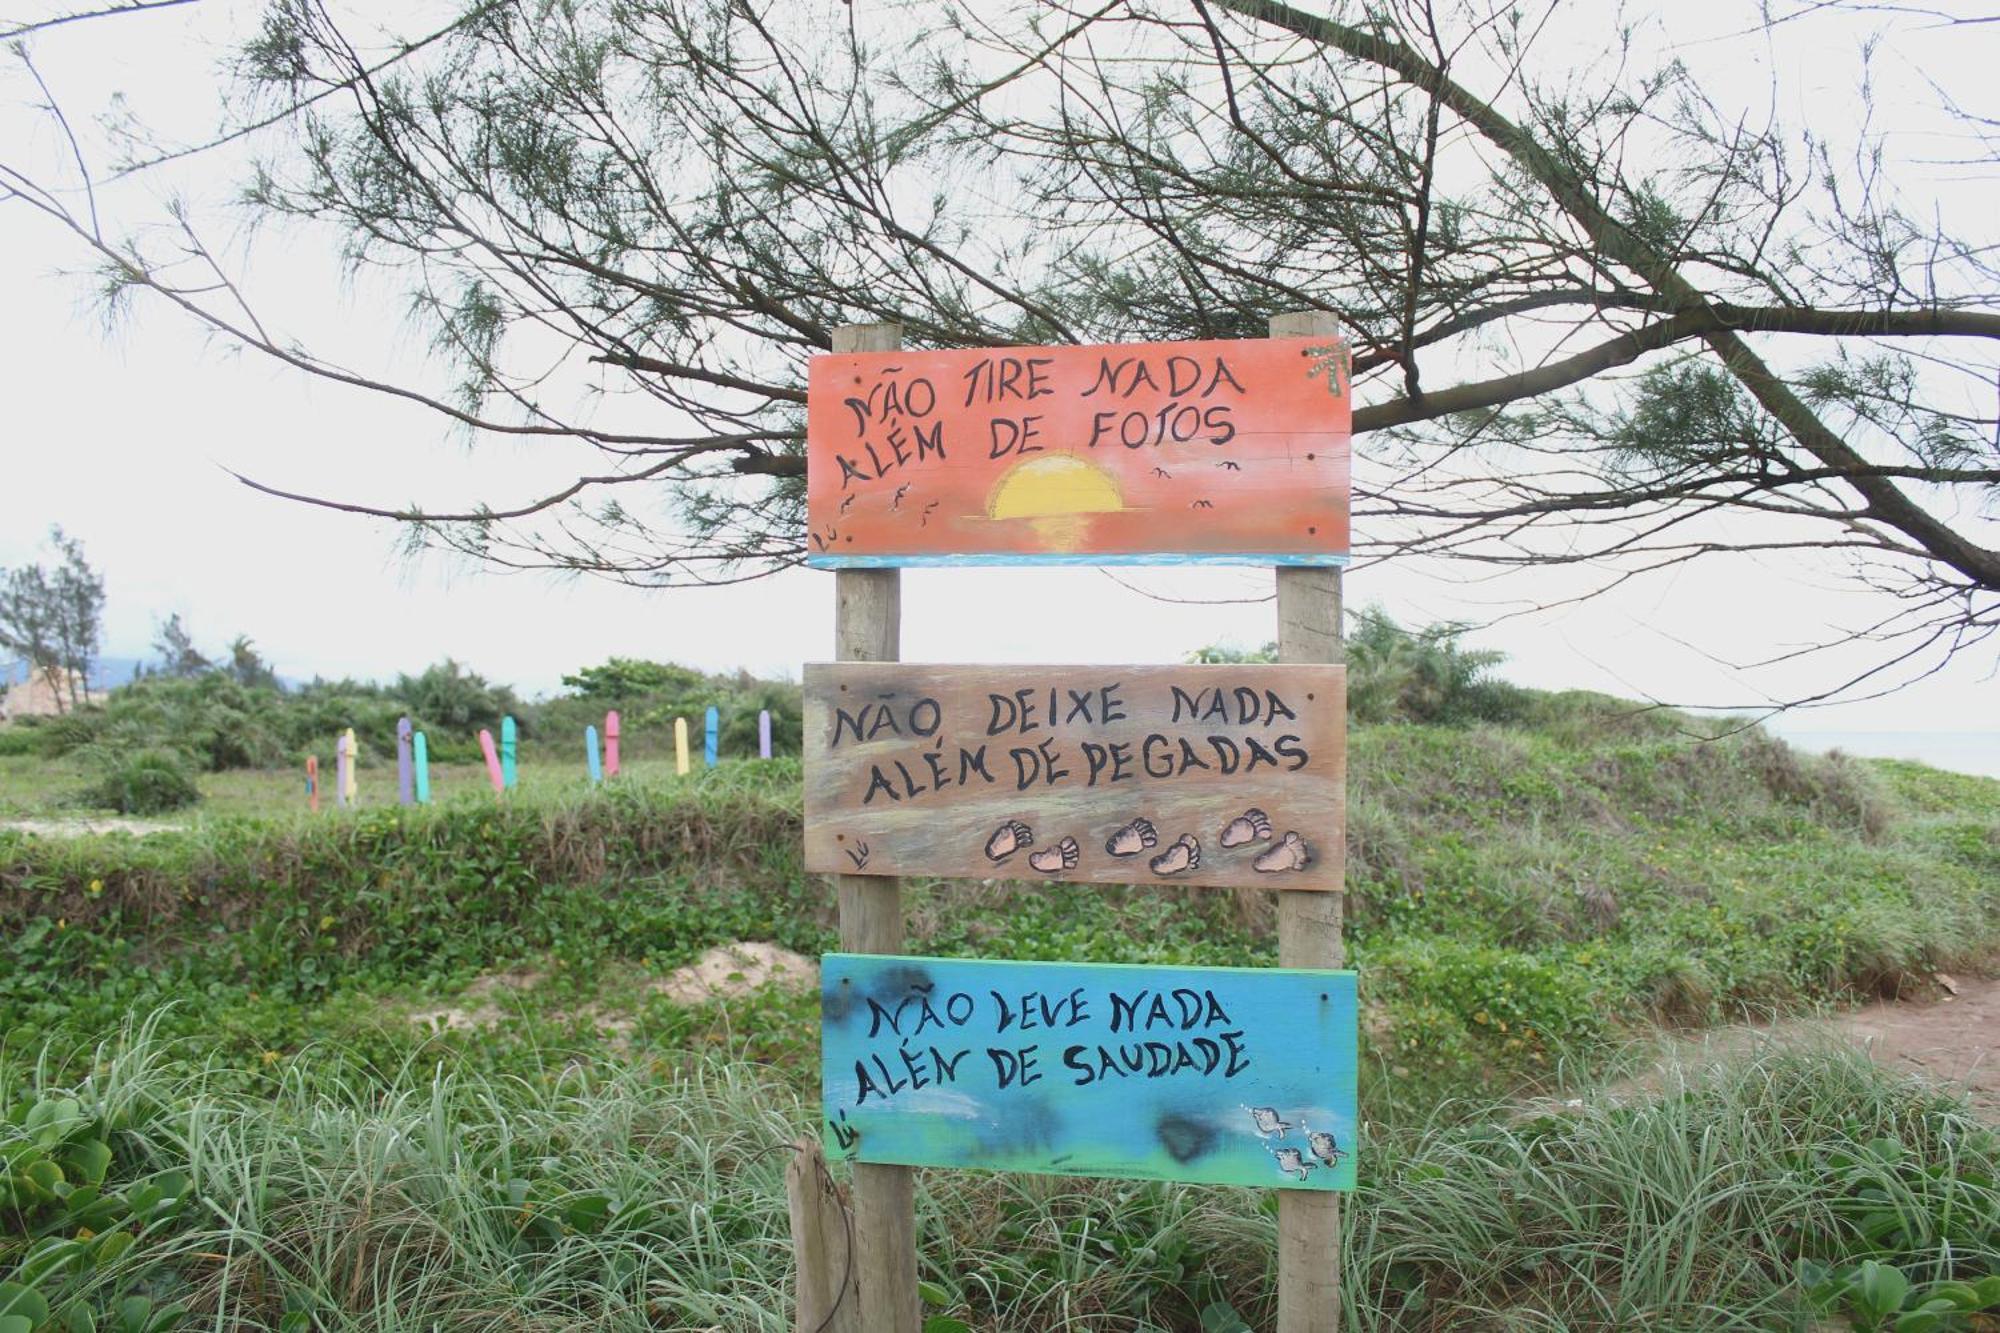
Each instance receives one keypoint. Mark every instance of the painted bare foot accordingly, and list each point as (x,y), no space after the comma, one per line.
(1250,826)
(1134,838)
(1291,853)
(1009,838)
(1185,854)
(1054,860)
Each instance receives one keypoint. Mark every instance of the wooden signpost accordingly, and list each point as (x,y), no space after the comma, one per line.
(1217,452)
(1113,775)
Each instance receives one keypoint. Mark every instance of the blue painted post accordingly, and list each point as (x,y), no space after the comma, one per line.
(763,733)
(509,774)
(710,731)
(420,765)
(591,759)
(406,793)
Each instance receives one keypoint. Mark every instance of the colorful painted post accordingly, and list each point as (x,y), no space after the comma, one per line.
(312,782)
(352,785)
(681,745)
(710,734)
(590,756)
(763,733)
(493,773)
(343,769)
(509,746)
(406,793)
(420,764)
(611,744)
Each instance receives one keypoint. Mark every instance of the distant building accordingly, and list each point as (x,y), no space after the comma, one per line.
(35,697)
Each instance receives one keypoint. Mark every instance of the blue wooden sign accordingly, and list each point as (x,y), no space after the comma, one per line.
(1220,1075)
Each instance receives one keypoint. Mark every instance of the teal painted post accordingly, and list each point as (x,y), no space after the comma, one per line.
(420,766)
(591,760)
(711,730)
(509,745)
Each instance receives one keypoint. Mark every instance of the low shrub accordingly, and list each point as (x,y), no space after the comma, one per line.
(151,782)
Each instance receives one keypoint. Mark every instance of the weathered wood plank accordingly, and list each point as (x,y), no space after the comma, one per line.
(823,1258)
(1221,775)
(1233,450)
(1222,1075)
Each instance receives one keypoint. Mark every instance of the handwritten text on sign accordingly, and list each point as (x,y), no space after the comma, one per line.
(1225,450)
(1236,1076)
(1225,775)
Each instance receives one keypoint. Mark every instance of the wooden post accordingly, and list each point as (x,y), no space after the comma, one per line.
(763,733)
(711,724)
(1309,932)
(611,744)
(868,625)
(406,780)
(822,1245)
(681,746)
(420,760)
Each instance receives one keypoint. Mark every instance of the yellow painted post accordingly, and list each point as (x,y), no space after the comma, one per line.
(681,746)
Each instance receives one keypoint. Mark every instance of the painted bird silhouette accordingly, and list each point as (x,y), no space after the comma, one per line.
(1267,1121)
(1232,466)
(1324,1147)
(1291,1161)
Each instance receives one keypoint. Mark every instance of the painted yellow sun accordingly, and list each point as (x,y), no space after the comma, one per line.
(1051,486)
(1054,493)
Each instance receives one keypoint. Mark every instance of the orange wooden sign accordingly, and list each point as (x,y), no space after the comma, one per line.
(1230,451)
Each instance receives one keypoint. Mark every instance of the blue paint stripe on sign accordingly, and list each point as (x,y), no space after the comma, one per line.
(1218,1075)
(1314,559)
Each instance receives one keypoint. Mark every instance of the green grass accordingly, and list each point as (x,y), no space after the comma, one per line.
(432,1196)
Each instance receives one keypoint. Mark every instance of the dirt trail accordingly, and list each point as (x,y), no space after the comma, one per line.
(1954,1039)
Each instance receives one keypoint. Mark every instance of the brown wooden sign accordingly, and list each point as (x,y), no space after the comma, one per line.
(1220,775)
(1229,451)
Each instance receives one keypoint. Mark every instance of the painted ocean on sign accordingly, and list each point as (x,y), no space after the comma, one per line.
(1227,1076)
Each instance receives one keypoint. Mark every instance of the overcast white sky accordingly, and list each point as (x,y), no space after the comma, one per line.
(122,438)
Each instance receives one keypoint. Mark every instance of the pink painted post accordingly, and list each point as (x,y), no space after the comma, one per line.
(764,733)
(498,778)
(611,744)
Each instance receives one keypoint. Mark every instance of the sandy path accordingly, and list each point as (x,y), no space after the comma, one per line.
(1954,1039)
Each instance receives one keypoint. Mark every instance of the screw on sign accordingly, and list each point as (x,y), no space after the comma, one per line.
(1210,452)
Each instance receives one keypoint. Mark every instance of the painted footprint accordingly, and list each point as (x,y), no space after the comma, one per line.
(1291,853)
(1054,860)
(1134,838)
(1009,838)
(1250,826)
(1185,854)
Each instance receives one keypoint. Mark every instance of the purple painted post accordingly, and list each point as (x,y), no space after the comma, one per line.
(493,772)
(406,778)
(764,733)
(611,744)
